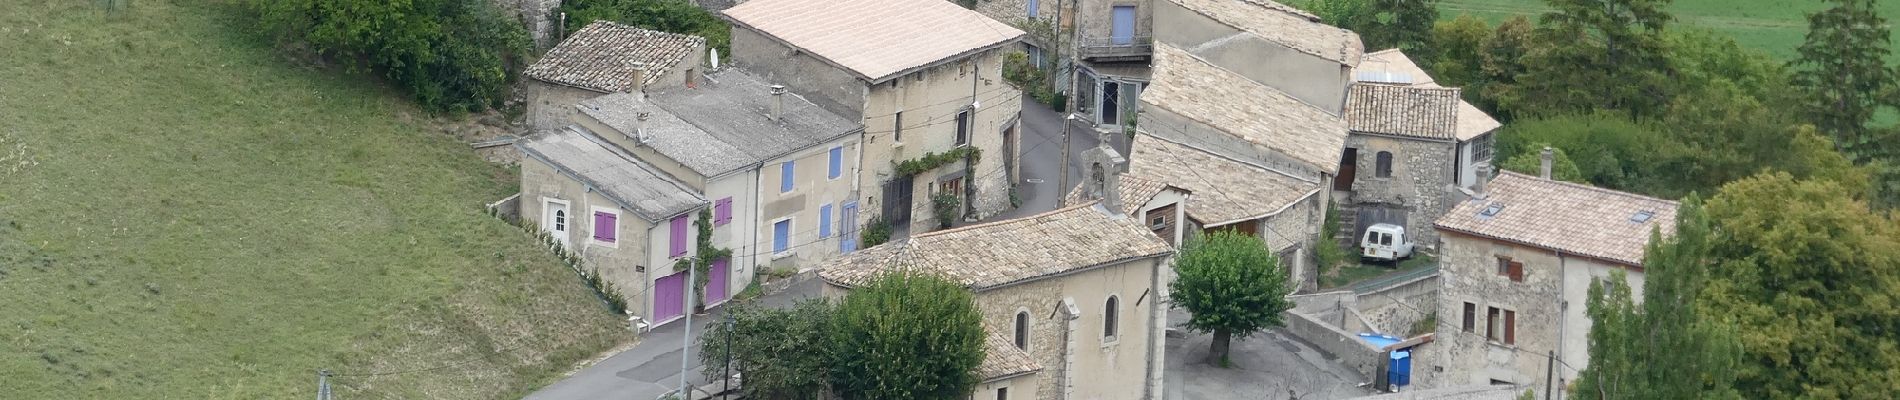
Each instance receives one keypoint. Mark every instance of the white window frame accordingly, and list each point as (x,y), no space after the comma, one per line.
(841,160)
(546,225)
(791,237)
(1108,341)
(591,228)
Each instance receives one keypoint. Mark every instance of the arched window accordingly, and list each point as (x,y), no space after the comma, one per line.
(1109,313)
(1384,167)
(560,220)
(1022,330)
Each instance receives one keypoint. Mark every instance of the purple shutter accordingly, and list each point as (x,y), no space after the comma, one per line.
(604,227)
(678,240)
(716,280)
(669,297)
(722,211)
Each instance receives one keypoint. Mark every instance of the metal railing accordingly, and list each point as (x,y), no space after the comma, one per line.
(1108,47)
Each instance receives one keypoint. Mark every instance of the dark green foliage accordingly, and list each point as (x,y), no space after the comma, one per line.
(677,16)
(1666,348)
(875,232)
(1595,55)
(1405,24)
(1031,79)
(1531,162)
(704,255)
(1485,62)
(1842,67)
(782,353)
(1231,285)
(907,336)
(1608,150)
(943,206)
(451,55)
(933,160)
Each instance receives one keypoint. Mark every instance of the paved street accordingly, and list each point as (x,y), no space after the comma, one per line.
(1042,159)
(652,368)
(1268,365)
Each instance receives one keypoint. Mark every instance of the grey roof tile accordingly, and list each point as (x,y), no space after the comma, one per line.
(601,56)
(1391,66)
(999,253)
(1224,190)
(875,39)
(1280,23)
(619,176)
(1223,100)
(1571,217)
(1414,111)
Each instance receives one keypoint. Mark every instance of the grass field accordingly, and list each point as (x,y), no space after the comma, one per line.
(1774,26)
(186,214)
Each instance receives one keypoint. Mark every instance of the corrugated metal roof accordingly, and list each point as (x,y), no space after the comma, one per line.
(650,194)
(601,56)
(876,39)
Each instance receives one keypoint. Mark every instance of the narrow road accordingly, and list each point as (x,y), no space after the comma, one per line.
(1041,158)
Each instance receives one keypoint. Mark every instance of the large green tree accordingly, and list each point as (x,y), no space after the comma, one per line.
(1666,348)
(782,353)
(907,336)
(451,55)
(1405,24)
(1230,284)
(1842,68)
(677,16)
(1596,55)
(1810,276)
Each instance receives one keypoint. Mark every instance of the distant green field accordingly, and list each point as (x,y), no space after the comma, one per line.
(1774,26)
(185,214)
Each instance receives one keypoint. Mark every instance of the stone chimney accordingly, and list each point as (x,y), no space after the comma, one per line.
(778,103)
(1484,178)
(640,79)
(1543,169)
(1104,176)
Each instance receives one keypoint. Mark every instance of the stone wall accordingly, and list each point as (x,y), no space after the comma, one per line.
(1292,234)
(1345,346)
(1394,309)
(540,17)
(1418,191)
(1469,274)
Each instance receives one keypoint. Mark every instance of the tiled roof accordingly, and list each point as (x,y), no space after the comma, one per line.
(1285,25)
(876,39)
(1134,192)
(722,123)
(1391,66)
(1002,359)
(601,56)
(999,253)
(1187,85)
(617,175)
(1224,190)
(1570,217)
(1423,112)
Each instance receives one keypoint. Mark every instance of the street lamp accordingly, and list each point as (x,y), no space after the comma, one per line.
(726,388)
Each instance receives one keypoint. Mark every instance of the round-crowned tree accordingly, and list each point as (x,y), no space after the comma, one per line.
(907,336)
(1230,284)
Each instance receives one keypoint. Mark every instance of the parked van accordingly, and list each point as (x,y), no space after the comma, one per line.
(1385,242)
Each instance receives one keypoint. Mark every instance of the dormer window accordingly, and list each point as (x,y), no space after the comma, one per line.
(1642,216)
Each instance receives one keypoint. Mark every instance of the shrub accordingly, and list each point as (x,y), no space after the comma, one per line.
(450,55)
(875,232)
(944,206)
(677,16)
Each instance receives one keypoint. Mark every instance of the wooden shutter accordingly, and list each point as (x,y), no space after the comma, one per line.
(1517,271)
(1510,327)
(678,237)
(604,227)
(1491,323)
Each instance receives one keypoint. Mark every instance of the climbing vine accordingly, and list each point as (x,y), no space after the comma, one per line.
(931,161)
(705,254)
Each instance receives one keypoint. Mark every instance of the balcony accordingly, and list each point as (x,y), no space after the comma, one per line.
(1115,49)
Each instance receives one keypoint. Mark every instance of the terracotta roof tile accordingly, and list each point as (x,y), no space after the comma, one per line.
(1391,66)
(1002,359)
(601,56)
(1224,190)
(999,253)
(1415,111)
(1191,87)
(1134,192)
(1570,217)
(876,39)
(1285,25)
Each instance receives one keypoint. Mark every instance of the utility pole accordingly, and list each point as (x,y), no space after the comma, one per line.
(686,338)
(1068,117)
(1550,374)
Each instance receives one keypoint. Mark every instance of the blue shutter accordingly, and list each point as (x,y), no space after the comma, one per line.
(785,176)
(781,236)
(1122,30)
(1033,5)
(837,162)
(824,221)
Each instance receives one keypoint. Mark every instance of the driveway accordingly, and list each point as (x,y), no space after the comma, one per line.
(1267,365)
(1041,157)
(652,368)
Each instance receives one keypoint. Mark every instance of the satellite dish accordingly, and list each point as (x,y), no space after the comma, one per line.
(715,58)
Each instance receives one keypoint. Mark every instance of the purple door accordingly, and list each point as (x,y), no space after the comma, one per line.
(669,298)
(716,280)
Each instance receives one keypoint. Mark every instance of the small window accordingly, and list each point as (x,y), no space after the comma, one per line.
(1491,323)
(963,127)
(560,220)
(678,237)
(1109,313)
(1383,167)
(1002,393)
(897,128)
(837,163)
(692,78)
(604,226)
(1491,210)
(1642,216)
(1511,268)
(824,221)
(1022,330)
(1471,316)
(1031,12)
(781,236)
(1159,222)
(787,171)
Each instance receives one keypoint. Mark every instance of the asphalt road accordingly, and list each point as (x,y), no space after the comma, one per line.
(1041,158)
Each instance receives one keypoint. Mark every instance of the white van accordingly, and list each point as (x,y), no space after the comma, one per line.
(1385,242)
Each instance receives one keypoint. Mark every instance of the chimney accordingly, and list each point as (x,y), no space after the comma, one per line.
(640,79)
(1543,169)
(640,128)
(1104,176)
(1484,177)
(778,103)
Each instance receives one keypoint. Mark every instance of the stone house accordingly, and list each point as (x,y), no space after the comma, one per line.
(1076,295)
(1413,145)
(1516,267)
(624,218)
(1254,157)
(602,58)
(1267,42)
(923,76)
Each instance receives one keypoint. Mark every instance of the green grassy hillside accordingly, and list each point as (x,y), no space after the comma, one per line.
(1774,26)
(185,214)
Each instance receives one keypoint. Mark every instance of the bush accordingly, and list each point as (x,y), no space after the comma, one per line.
(1330,253)
(451,55)
(875,233)
(677,16)
(944,206)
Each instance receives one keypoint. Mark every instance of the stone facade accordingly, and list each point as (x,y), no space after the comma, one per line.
(632,265)
(1096,367)
(1469,275)
(1418,190)
(540,17)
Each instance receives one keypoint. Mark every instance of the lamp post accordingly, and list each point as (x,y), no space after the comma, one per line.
(726,388)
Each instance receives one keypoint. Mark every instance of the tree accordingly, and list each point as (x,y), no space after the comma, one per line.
(1456,58)
(1842,67)
(676,16)
(1405,24)
(1532,163)
(1230,284)
(782,353)
(1808,275)
(451,55)
(1609,150)
(1502,63)
(1666,348)
(1582,45)
(907,336)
